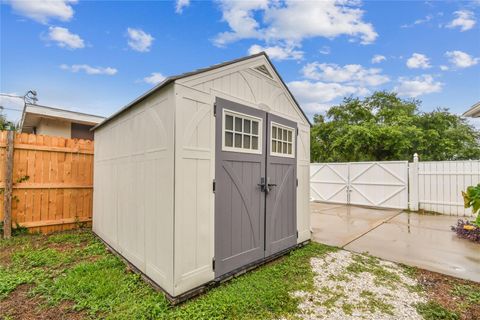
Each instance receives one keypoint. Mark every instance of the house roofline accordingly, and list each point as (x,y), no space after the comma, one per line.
(474,111)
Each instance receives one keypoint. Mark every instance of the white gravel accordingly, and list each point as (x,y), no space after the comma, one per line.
(346,294)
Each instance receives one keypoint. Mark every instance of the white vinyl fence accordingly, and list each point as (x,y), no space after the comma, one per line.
(431,185)
(440,184)
(378,184)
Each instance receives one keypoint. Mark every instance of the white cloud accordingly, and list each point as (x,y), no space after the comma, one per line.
(65,38)
(418,61)
(352,74)
(89,69)
(316,96)
(444,68)
(417,86)
(461,59)
(278,52)
(326,82)
(378,58)
(315,93)
(418,21)
(325,50)
(139,40)
(465,20)
(44,10)
(280,21)
(154,78)
(180,5)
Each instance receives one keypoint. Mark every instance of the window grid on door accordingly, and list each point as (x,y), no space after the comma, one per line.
(241,132)
(282,140)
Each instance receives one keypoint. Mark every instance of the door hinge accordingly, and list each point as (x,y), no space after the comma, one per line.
(297,182)
(213,264)
(213,186)
(297,234)
(215,109)
(297,132)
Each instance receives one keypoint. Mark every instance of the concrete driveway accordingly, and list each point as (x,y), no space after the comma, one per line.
(424,241)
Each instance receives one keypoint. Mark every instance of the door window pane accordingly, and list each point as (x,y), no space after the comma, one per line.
(228,139)
(238,140)
(255,127)
(246,126)
(238,124)
(242,133)
(246,142)
(281,141)
(228,122)
(255,143)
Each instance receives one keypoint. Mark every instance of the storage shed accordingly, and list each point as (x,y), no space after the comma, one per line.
(204,176)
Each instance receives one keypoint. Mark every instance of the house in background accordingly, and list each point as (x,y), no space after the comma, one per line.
(474,111)
(58,122)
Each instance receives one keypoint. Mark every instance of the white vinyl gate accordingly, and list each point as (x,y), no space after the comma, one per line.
(379,184)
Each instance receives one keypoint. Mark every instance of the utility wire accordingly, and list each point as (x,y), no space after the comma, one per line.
(10,95)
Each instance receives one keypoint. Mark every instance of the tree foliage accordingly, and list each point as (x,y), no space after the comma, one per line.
(5,124)
(385,127)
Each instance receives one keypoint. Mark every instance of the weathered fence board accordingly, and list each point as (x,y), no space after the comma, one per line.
(58,191)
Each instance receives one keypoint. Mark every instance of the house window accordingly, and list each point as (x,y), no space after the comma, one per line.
(241,132)
(282,140)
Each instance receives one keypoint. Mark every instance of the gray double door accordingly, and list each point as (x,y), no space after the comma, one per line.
(255,185)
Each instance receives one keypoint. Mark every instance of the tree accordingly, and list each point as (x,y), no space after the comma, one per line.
(385,127)
(5,124)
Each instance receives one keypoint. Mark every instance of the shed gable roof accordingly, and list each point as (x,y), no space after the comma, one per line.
(171,79)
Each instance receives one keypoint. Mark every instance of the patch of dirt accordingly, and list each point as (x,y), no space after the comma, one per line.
(19,306)
(6,256)
(440,288)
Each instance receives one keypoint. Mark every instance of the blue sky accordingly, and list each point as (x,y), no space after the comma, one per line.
(96,57)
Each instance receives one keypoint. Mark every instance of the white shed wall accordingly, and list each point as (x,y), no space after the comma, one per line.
(195,159)
(133,185)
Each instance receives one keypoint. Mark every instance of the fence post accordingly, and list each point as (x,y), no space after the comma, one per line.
(413,187)
(7,201)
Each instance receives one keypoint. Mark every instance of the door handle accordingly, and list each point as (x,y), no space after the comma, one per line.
(263,185)
(270,185)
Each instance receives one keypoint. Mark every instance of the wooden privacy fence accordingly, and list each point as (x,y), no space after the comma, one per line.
(52,182)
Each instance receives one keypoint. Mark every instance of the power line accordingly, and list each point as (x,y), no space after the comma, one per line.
(11,109)
(11,95)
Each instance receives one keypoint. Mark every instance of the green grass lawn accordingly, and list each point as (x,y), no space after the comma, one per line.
(74,269)
(71,275)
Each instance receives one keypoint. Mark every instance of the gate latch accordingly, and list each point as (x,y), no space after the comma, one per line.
(265,185)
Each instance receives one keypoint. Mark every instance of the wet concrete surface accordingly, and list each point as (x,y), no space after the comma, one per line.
(338,225)
(424,241)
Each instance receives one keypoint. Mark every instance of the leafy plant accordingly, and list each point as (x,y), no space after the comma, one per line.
(472,200)
(467,230)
